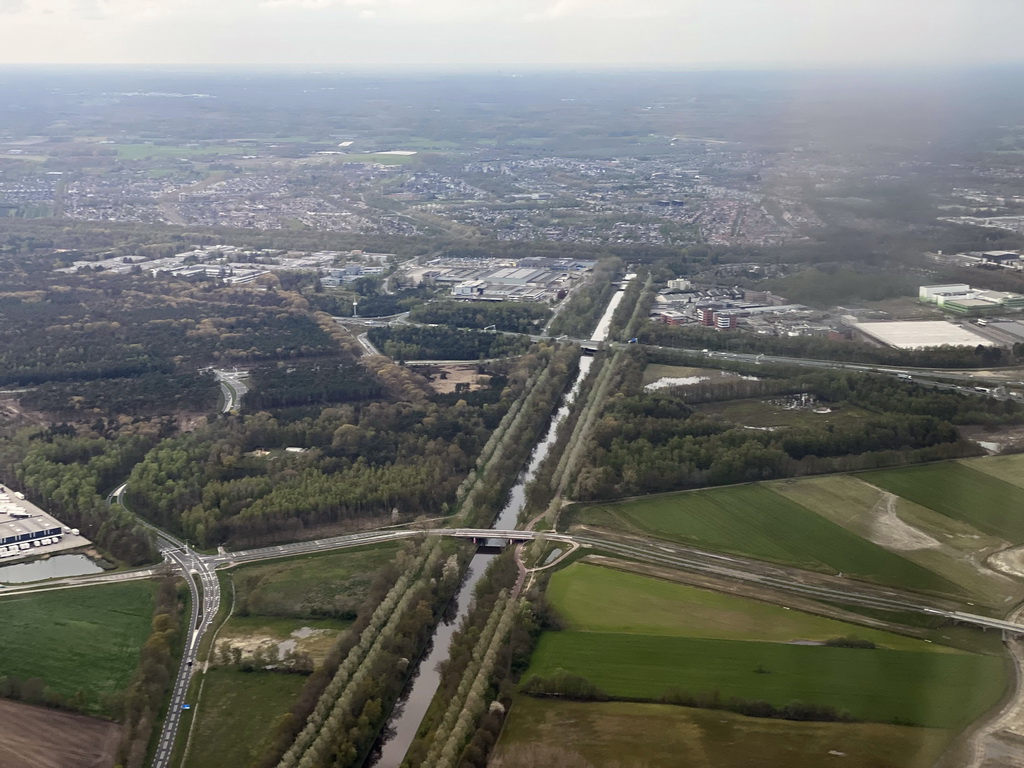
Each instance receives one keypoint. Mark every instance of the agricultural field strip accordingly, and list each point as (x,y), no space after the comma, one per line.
(612,734)
(631,635)
(735,568)
(748,520)
(959,492)
(595,598)
(942,690)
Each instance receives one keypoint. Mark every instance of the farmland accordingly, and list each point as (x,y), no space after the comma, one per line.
(244,705)
(756,521)
(597,599)
(33,737)
(938,690)
(1007,468)
(612,734)
(962,493)
(941,544)
(108,624)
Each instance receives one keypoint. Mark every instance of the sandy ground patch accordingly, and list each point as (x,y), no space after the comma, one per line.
(443,378)
(1009,561)
(888,531)
(302,640)
(32,737)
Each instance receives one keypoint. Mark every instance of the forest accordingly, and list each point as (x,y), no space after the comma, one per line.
(525,317)
(371,446)
(148,394)
(68,471)
(120,326)
(443,343)
(648,442)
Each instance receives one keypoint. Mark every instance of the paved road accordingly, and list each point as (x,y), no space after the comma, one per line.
(205,590)
(659,552)
(232,386)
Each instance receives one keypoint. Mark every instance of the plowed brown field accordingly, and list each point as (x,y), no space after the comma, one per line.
(33,737)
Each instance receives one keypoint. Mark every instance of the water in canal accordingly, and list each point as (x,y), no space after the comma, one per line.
(56,567)
(411,709)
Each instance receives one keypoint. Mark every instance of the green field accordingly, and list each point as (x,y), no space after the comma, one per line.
(762,413)
(1008,468)
(327,585)
(376,158)
(945,546)
(143,151)
(86,639)
(756,521)
(962,493)
(596,599)
(939,690)
(612,734)
(235,715)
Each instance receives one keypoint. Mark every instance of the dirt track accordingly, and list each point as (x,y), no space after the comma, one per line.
(33,737)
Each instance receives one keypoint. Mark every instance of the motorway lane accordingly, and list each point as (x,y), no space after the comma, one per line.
(197,570)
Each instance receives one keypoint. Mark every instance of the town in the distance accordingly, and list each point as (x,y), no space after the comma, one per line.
(567,419)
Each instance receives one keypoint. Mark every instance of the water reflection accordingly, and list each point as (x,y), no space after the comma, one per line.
(56,567)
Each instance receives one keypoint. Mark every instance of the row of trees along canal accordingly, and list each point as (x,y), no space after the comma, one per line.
(454,700)
(345,703)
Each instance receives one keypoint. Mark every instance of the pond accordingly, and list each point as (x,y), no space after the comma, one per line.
(55,567)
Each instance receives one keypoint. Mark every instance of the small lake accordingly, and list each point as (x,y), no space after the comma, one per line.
(55,567)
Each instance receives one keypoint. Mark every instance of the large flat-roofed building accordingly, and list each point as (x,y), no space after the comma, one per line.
(932,292)
(15,531)
(922,334)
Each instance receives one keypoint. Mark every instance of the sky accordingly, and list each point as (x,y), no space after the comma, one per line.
(481,34)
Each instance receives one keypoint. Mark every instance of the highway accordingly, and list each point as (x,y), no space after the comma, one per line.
(232,387)
(659,552)
(198,572)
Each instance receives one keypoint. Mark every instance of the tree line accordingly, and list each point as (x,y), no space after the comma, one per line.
(517,317)
(648,442)
(444,343)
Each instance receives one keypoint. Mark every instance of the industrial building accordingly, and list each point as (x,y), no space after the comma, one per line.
(921,334)
(962,299)
(24,526)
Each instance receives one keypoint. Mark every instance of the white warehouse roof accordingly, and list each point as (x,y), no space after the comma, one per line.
(922,334)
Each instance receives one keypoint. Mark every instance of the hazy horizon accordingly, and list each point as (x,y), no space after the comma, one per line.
(463,35)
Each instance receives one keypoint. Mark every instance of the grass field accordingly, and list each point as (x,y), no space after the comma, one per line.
(612,734)
(1007,468)
(87,639)
(945,546)
(656,371)
(597,599)
(940,690)
(962,493)
(235,715)
(754,520)
(142,151)
(763,413)
(316,586)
